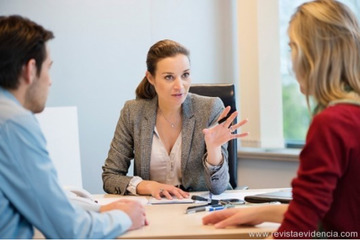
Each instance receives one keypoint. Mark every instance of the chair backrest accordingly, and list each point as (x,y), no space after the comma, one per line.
(226,92)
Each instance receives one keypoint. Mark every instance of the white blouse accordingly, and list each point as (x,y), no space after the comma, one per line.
(166,168)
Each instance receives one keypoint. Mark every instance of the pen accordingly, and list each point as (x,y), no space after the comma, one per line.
(210,209)
(203,209)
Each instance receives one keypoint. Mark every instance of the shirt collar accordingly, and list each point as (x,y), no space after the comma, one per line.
(9,95)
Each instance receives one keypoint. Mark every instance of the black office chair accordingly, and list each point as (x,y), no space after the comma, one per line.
(226,92)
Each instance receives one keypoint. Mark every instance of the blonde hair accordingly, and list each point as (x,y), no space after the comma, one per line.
(326,36)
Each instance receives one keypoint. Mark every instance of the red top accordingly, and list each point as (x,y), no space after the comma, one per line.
(326,191)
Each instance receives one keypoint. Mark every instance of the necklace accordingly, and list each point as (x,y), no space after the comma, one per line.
(173,124)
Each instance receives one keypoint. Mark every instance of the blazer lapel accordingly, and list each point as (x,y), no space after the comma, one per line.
(146,145)
(187,131)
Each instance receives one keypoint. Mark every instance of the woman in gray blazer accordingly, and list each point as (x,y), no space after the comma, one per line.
(173,136)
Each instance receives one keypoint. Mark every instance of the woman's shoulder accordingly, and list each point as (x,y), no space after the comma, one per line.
(138,103)
(138,108)
(201,100)
(339,115)
(338,111)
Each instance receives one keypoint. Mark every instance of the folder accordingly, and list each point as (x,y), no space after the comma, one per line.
(283,196)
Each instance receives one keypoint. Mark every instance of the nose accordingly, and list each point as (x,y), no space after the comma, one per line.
(178,83)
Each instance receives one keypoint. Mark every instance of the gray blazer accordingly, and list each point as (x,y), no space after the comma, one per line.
(133,140)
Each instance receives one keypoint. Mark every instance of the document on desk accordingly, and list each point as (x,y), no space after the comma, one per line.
(104,201)
(164,200)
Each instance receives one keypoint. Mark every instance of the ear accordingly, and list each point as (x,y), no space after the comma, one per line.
(149,77)
(28,73)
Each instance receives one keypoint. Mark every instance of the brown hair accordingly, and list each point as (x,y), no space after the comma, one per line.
(160,50)
(20,40)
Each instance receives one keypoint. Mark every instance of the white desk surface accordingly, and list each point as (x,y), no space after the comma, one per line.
(169,221)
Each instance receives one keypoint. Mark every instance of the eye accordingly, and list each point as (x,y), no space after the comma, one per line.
(168,77)
(186,75)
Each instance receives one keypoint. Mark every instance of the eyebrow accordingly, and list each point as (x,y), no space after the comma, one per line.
(164,73)
(167,73)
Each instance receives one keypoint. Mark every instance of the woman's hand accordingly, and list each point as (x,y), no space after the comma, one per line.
(247,216)
(233,217)
(217,135)
(157,190)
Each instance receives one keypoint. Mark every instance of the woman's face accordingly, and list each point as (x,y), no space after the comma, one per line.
(172,80)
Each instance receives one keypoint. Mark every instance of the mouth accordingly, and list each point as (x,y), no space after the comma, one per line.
(178,95)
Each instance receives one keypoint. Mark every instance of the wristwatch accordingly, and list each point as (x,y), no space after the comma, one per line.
(133,184)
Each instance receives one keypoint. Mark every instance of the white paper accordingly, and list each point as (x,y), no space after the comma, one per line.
(60,128)
(104,201)
(164,200)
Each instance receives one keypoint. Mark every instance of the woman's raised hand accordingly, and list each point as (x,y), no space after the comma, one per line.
(219,134)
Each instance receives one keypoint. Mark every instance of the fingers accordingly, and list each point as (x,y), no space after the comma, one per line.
(157,195)
(234,136)
(230,119)
(222,219)
(230,221)
(180,194)
(241,123)
(211,218)
(169,191)
(224,114)
(167,194)
(235,127)
(218,216)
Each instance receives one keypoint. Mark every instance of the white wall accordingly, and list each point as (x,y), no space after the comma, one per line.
(100,49)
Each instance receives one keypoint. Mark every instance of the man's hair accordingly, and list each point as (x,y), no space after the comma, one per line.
(326,36)
(20,41)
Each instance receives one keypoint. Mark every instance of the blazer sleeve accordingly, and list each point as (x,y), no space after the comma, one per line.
(217,182)
(120,154)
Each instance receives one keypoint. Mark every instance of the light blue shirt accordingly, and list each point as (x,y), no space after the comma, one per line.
(30,194)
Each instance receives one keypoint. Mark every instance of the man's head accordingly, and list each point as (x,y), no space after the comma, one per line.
(25,59)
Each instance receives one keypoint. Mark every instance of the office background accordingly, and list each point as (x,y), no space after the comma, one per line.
(99,54)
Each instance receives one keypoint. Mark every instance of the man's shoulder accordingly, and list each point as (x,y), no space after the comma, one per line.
(13,116)
(11,111)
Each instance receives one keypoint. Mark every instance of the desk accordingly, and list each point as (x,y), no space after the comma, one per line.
(169,221)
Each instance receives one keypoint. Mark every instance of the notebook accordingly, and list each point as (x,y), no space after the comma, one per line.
(283,196)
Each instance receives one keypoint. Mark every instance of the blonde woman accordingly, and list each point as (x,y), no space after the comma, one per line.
(325,46)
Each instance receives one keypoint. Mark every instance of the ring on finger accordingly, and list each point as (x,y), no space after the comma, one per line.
(161,190)
(231,129)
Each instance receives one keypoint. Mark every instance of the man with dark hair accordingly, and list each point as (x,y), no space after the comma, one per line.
(30,194)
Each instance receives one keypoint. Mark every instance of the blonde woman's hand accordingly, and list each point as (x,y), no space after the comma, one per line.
(246,216)
(233,217)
